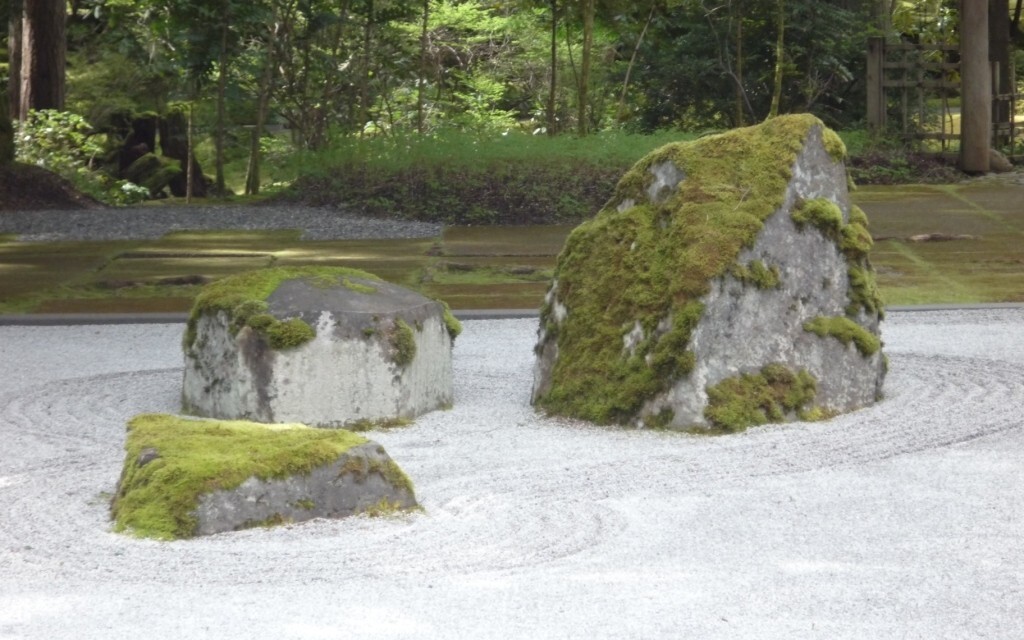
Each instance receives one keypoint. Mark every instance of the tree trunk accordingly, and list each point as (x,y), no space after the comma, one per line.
(620,112)
(364,80)
(553,85)
(780,51)
(587,7)
(1000,55)
(976,88)
(222,80)
(422,80)
(740,96)
(175,131)
(6,139)
(43,48)
(252,173)
(14,20)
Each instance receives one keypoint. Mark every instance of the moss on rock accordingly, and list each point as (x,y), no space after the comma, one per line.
(648,257)
(187,458)
(403,343)
(846,331)
(823,214)
(751,399)
(243,298)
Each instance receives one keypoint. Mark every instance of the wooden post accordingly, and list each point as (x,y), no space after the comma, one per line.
(976,87)
(1000,54)
(875,90)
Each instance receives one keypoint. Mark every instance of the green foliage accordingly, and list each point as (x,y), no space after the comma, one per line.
(650,264)
(460,179)
(195,457)
(846,331)
(691,78)
(57,140)
(66,144)
(773,394)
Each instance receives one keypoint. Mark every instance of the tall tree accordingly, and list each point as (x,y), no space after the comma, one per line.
(780,53)
(43,48)
(16,12)
(587,10)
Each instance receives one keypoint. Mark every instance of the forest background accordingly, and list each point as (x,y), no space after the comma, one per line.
(453,110)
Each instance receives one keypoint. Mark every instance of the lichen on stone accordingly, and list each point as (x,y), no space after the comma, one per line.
(769,395)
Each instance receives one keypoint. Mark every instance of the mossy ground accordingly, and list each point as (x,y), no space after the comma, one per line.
(655,260)
(196,457)
(135,276)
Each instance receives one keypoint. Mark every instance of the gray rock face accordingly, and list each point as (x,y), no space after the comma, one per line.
(363,479)
(798,296)
(380,353)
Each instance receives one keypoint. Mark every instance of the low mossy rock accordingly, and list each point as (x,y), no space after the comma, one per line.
(153,172)
(713,260)
(325,346)
(185,477)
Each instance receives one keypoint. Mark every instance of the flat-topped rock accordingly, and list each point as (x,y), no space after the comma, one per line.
(186,477)
(327,347)
(726,284)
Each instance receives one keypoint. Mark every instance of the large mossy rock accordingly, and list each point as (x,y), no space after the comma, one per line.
(184,477)
(726,284)
(325,346)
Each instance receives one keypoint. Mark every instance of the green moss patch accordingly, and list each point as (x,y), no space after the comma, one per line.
(757,274)
(823,214)
(845,331)
(243,297)
(190,458)
(403,343)
(652,262)
(855,242)
(771,395)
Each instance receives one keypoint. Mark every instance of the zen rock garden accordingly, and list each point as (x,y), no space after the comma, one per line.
(726,284)
(324,347)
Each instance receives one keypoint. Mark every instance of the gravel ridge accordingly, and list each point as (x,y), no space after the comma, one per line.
(143,223)
(901,520)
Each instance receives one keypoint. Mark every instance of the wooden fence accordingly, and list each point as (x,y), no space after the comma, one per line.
(914,90)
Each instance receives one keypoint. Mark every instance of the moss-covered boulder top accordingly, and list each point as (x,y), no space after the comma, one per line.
(714,260)
(328,347)
(185,477)
(284,303)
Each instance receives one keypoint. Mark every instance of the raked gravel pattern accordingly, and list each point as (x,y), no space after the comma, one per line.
(904,520)
(140,223)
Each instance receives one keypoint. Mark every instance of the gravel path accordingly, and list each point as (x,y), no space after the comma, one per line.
(899,521)
(153,222)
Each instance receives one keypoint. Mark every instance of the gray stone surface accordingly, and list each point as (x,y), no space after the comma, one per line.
(360,480)
(350,372)
(743,327)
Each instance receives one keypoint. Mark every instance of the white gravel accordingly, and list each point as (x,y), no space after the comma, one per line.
(900,521)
